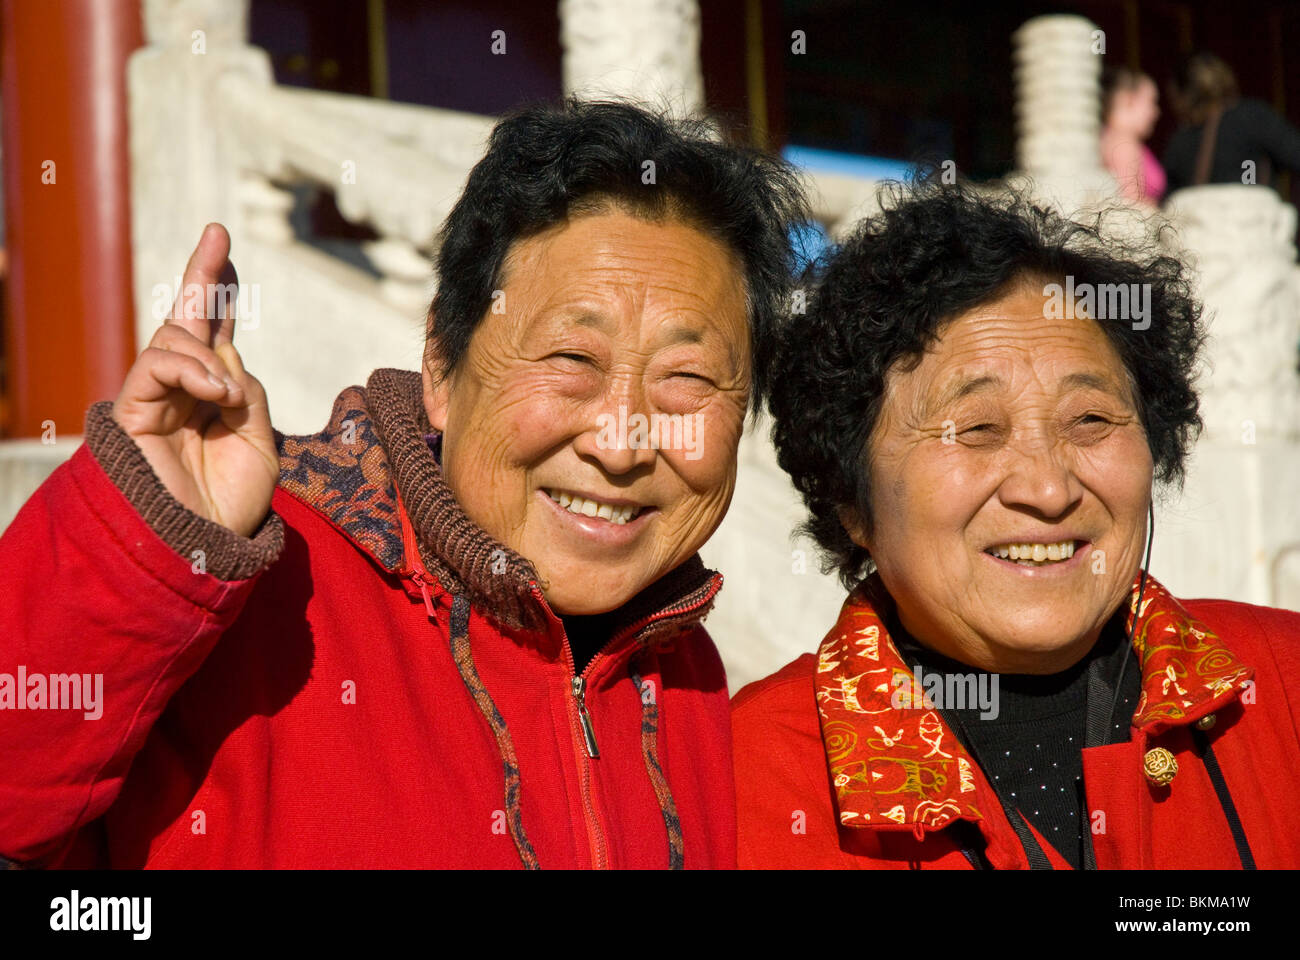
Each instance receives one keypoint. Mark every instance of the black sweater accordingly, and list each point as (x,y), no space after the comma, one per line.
(1031,752)
(1248,130)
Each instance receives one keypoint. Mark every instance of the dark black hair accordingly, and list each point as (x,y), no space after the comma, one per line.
(934,252)
(545,164)
(1202,83)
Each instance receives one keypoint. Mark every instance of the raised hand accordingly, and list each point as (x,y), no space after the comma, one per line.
(199,417)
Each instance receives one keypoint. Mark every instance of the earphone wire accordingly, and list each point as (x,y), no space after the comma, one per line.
(1137,613)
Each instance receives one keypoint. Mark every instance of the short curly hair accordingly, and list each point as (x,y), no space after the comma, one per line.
(545,164)
(880,298)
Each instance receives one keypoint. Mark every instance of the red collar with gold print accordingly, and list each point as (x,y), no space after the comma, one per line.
(904,769)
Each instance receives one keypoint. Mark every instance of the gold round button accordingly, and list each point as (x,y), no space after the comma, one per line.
(1159,766)
(1206,722)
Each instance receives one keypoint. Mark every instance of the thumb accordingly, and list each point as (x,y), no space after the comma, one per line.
(230,357)
(245,390)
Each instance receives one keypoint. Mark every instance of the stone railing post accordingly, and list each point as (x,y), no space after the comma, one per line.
(182,175)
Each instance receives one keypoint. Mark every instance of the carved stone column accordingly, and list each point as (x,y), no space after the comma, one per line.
(1058,110)
(645,50)
(1239,515)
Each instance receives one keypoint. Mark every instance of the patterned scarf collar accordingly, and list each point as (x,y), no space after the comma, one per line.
(904,769)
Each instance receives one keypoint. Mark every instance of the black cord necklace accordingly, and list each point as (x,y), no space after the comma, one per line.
(1098,731)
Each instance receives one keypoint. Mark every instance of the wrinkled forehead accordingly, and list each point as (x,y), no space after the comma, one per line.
(604,270)
(1011,346)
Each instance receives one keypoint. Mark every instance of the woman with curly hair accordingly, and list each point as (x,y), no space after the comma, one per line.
(976,407)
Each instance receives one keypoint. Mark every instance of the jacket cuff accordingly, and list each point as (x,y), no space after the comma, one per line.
(227,555)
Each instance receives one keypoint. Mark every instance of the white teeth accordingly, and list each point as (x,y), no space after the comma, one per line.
(594,508)
(1034,554)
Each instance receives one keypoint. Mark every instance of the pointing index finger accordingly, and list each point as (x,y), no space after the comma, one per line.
(209,276)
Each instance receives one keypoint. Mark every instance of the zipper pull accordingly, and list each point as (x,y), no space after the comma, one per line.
(428,601)
(579,687)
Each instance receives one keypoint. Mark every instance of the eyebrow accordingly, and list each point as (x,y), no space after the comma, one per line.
(966,386)
(588,319)
(676,334)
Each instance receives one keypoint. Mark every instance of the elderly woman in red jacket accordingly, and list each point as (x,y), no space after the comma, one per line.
(975,409)
(458,627)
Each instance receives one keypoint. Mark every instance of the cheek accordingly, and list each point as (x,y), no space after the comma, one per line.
(1119,472)
(928,497)
(519,425)
(704,463)
(711,457)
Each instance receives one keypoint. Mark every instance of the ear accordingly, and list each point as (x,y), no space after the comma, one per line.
(437,384)
(851,520)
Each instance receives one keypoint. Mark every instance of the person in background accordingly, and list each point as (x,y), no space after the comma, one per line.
(1130,109)
(1221,131)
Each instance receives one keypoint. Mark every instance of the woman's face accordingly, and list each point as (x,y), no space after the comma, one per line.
(1015,432)
(592,425)
(1137,109)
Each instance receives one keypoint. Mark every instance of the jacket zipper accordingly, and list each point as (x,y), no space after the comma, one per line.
(581,719)
(580,724)
(579,687)
(424,590)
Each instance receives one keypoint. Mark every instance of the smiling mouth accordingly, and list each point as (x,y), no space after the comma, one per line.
(1035,554)
(618,514)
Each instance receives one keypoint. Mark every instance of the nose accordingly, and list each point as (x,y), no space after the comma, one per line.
(621,438)
(1041,481)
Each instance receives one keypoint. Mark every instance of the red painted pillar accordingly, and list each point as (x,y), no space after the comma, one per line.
(68,324)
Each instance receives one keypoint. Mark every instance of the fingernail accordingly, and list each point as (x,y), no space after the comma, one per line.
(218,382)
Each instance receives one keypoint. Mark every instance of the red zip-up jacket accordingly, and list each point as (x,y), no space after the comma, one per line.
(325,694)
(831,774)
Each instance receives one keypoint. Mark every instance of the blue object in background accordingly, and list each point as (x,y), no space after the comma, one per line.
(848,164)
(811,241)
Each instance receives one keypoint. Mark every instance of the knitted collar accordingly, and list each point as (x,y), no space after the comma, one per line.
(904,768)
(374,446)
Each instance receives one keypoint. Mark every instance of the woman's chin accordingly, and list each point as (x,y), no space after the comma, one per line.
(580,592)
(1049,648)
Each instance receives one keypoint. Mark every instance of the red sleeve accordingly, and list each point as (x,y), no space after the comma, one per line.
(94,598)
